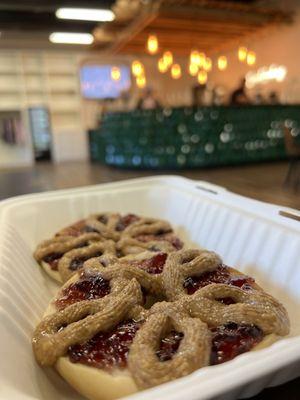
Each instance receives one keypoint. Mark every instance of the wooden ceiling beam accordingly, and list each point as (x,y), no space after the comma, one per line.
(214,14)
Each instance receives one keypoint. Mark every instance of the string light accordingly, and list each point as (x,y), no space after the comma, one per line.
(251,58)
(207,64)
(242,53)
(168,58)
(195,57)
(115,73)
(141,81)
(137,68)
(193,69)
(176,71)
(202,77)
(222,63)
(202,58)
(162,66)
(152,44)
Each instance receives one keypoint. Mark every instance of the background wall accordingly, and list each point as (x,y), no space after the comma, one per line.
(279,46)
(51,78)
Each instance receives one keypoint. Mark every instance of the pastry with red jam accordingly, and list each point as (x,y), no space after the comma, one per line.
(62,256)
(149,234)
(108,225)
(103,339)
(105,233)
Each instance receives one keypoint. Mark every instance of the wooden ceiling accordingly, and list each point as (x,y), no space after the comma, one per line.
(209,25)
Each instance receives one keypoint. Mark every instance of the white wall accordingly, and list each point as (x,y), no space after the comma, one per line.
(280,46)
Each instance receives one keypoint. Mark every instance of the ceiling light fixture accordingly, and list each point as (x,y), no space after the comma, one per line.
(222,63)
(115,73)
(71,38)
(152,44)
(176,71)
(85,14)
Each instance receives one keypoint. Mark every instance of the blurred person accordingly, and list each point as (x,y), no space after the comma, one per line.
(258,99)
(148,101)
(239,96)
(274,98)
(202,95)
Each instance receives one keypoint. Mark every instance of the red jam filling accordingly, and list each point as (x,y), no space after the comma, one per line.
(90,286)
(153,265)
(53,259)
(169,345)
(230,340)
(220,275)
(78,262)
(169,237)
(126,221)
(106,349)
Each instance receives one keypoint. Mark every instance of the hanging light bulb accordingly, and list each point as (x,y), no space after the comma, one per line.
(176,71)
(137,68)
(242,53)
(152,44)
(202,58)
(222,63)
(251,58)
(195,57)
(207,66)
(162,66)
(115,73)
(168,58)
(193,69)
(141,81)
(202,77)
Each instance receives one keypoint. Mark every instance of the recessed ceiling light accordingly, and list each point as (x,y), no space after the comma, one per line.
(85,14)
(71,38)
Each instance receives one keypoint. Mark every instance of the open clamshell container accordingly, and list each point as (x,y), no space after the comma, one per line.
(249,235)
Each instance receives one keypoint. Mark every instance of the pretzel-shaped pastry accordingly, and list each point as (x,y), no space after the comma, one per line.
(184,263)
(132,240)
(74,259)
(250,307)
(104,224)
(192,316)
(81,321)
(62,244)
(193,351)
(127,267)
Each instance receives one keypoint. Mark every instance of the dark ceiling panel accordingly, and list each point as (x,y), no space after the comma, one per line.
(41,21)
(52,5)
(40,15)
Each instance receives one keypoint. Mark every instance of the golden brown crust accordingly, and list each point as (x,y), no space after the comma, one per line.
(193,352)
(191,315)
(65,263)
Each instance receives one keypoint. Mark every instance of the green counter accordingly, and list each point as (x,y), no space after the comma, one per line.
(193,137)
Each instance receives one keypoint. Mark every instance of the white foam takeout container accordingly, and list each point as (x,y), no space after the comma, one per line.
(248,234)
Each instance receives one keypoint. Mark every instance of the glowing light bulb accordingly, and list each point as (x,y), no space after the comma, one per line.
(152,44)
(251,58)
(115,73)
(242,53)
(176,71)
(222,63)
(162,66)
(202,77)
(195,57)
(193,69)
(141,81)
(202,58)
(207,64)
(137,68)
(168,58)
